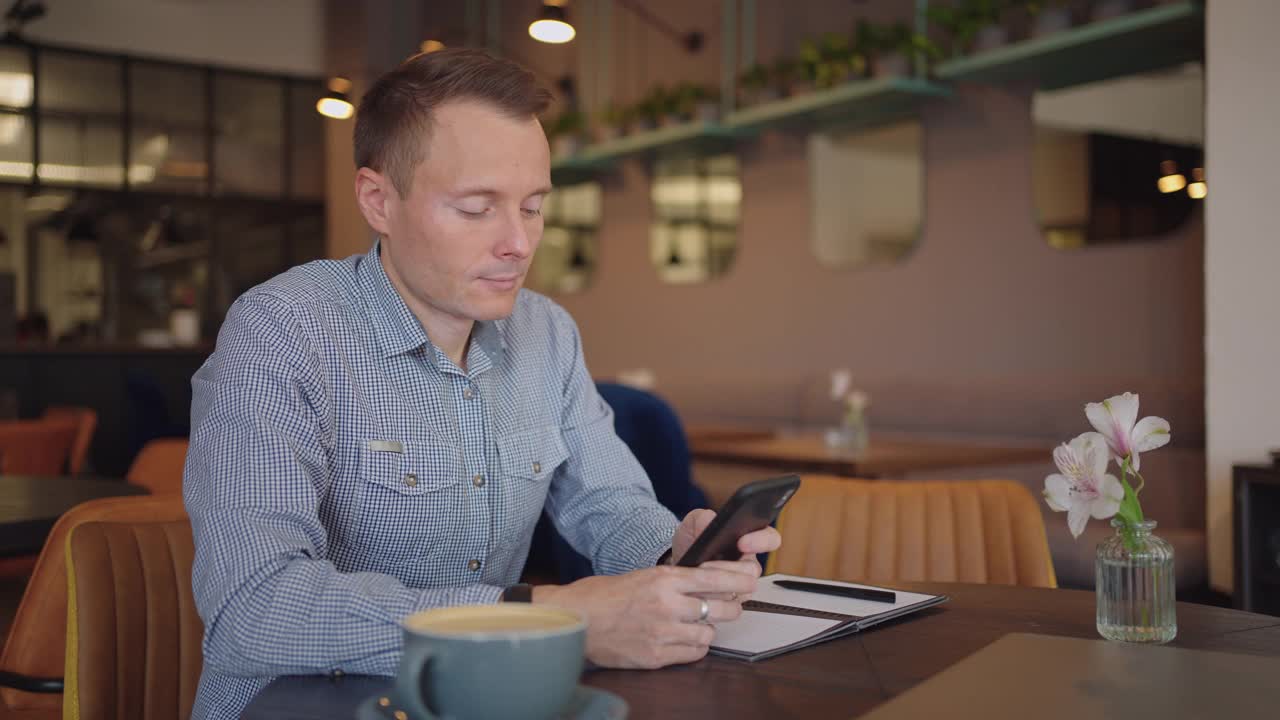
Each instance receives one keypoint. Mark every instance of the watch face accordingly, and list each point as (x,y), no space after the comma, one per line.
(518,593)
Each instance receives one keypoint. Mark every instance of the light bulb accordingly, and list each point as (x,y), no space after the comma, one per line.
(552,25)
(335,108)
(1197,190)
(1171,180)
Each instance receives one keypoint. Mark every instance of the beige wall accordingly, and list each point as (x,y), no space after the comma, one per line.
(983,329)
(982,300)
(281,36)
(1242,344)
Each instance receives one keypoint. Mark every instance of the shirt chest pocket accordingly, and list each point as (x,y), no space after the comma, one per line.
(408,498)
(532,455)
(528,459)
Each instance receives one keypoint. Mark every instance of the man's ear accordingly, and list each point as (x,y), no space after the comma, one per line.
(375,194)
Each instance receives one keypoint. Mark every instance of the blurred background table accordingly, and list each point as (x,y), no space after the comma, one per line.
(885,456)
(30,505)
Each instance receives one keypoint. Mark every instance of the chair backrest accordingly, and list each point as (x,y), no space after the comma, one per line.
(158,466)
(36,447)
(980,531)
(86,420)
(653,433)
(36,644)
(133,634)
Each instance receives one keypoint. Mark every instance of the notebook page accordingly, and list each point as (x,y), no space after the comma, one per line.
(757,632)
(767,592)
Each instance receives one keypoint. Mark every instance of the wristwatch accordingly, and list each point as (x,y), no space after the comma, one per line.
(522,592)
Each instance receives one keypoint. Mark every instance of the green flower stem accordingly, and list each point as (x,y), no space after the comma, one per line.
(1130,509)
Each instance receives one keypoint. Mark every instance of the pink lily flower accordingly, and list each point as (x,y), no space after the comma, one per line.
(1117,419)
(1082,488)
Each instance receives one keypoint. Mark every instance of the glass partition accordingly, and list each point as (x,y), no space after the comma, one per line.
(567,256)
(1120,160)
(867,190)
(697,201)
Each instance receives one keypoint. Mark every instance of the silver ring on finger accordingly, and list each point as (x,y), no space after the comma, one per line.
(704,610)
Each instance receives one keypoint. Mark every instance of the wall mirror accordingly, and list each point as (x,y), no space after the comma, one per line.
(697,201)
(570,225)
(867,194)
(1120,160)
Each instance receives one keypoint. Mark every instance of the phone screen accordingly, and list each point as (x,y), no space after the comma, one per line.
(753,507)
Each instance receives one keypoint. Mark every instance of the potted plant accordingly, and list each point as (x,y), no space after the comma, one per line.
(903,50)
(785,74)
(867,40)
(829,60)
(755,86)
(1107,9)
(697,103)
(972,25)
(667,105)
(1048,16)
(565,133)
(611,122)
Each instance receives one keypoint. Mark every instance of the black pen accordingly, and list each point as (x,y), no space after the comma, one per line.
(883,596)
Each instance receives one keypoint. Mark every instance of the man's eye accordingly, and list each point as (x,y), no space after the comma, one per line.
(473,213)
(531,212)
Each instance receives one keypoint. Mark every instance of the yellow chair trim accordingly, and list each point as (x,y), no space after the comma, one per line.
(70,680)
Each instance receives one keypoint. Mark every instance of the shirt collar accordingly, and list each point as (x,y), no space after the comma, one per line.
(398,329)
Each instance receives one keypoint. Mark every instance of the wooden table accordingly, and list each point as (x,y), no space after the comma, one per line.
(886,456)
(843,678)
(29,506)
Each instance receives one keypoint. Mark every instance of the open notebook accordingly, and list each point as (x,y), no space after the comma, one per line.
(776,620)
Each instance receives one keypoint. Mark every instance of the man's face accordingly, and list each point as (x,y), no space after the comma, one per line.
(461,242)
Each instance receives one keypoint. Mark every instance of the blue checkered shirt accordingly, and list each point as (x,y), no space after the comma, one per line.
(344,473)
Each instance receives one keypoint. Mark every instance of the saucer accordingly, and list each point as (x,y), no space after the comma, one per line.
(587,703)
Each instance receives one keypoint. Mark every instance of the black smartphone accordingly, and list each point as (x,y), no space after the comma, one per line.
(754,506)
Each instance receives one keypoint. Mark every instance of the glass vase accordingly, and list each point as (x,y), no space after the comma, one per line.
(1135,585)
(850,438)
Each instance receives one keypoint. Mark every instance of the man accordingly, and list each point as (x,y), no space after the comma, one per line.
(379,435)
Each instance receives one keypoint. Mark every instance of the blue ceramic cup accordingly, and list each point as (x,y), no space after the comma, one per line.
(476,662)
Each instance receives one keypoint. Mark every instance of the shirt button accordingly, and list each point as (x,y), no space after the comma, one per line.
(473,565)
(411,480)
(468,393)
(537,467)
(337,673)
(478,481)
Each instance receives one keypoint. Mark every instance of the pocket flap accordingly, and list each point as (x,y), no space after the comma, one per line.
(533,454)
(419,468)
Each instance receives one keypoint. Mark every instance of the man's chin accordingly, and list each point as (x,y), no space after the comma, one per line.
(494,305)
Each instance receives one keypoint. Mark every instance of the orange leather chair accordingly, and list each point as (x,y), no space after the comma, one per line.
(36,447)
(34,653)
(982,531)
(133,635)
(158,466)
(86,420)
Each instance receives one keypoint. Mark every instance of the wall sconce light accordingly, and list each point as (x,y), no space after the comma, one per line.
(336,104)
(1197,189)
(552,25)
(430,46)
(1171,180)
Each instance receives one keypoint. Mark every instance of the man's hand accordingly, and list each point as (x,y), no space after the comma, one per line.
(650,618)
(760,541)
